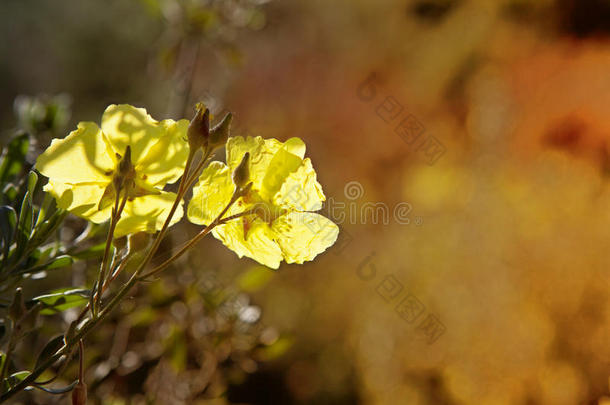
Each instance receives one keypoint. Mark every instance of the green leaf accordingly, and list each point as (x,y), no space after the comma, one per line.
(44,254)
(10,192)
(49,349)
(44,209)
(32,181)
(58,262)
(24,230)
(13,157)
(56,391)
(63,299)
(16,378)
(255,278)
(8,220)
(55,263)
(44,230)
(25,215)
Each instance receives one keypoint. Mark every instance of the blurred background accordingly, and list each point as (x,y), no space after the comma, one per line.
(463,146)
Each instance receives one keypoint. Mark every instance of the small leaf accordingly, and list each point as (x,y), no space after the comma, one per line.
(25,214)
(63,299)
(56,391)
(10,192)
(44,208)
(44,253)
(32,181)
(55,263)
(43,231)
(58,262)
(50,349)
(16,378)
(24,229)
(8,220)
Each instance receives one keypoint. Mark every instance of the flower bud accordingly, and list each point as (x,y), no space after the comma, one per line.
(17,308)
(123,180)
(125,173)
(220,133)
(79,394)
(241,174)
(125,166)
(199,128)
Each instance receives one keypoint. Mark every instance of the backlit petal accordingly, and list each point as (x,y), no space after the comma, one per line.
(258,245)
(300,190)
(164,162)
(303,235)
(81,157)
(211,194)
(147,214)
(268,167)
(124,125)
(81,200)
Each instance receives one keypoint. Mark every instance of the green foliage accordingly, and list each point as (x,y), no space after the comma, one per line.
(24,225)
(30,247)
(62,299)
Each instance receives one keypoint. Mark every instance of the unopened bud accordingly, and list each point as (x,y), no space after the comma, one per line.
(241,174)
(199,128)
(125,173)
(17,308)
(220,133)
(79,394)
(125,166)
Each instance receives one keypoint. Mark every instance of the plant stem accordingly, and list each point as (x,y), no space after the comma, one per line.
(198,237)
(7,356)
(81,355)
(116,215)
(133,280)
(110,279)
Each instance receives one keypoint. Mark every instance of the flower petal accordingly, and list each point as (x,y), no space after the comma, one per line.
(165,160)
(300,190)
(124,125)
(81,199)
(270,160)
(259,244)
(303,235)
(147,214)
(211,194)
(281,166)
(81,157)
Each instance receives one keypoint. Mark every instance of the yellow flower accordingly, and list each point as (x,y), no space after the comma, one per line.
(284,192)
(81,168)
